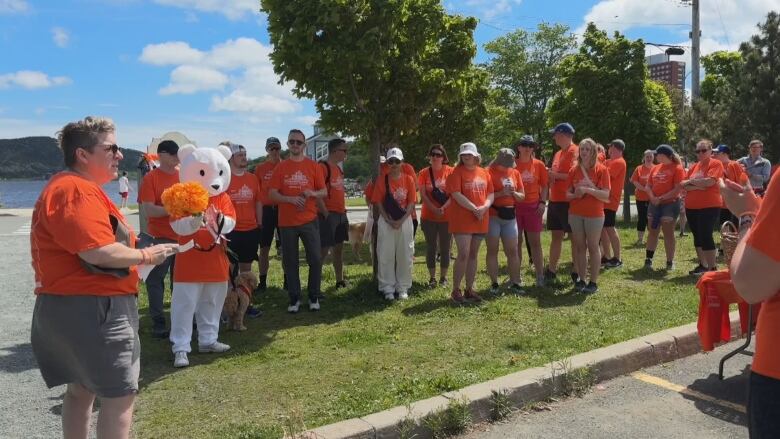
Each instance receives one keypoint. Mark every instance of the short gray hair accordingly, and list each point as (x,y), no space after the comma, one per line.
(82,134)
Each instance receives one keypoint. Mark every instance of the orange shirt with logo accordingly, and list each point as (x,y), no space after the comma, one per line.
(763,237)
(533,174)
(640,175)
(504,177)
(475,185)
(617,179)
(735,172)
(424,183)
(244,192)
(263,172)
(335,201)
(563,161)
(664,178)
(403,189)
(588,206)
(407,169)
(291,179)
(710,196)
(205,266)
(72,215)
(152,187)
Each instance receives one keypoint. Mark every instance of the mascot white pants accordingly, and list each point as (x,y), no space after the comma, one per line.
(203,301)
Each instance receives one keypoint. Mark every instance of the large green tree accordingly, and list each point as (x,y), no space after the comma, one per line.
(374,68)
(523,70)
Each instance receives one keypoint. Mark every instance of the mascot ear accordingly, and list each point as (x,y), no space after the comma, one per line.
(225,151)
(185,151)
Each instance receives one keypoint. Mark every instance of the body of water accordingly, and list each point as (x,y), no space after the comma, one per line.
(20,194)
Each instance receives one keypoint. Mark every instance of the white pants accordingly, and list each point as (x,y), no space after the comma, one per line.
(203,301)
(395,250)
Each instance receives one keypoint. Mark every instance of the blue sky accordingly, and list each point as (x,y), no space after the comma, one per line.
(201,66)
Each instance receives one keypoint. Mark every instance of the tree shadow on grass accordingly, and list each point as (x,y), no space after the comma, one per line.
(660,274)
(556,298)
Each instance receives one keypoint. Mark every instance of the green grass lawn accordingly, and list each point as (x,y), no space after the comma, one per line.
(356,202)
(361,354)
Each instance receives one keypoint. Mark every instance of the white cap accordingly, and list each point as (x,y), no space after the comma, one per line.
(395,153)
(469,149)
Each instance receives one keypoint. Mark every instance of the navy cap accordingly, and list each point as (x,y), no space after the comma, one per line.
(168,146)
(665,150)
(526,140)
(272,141)
(722,149)
(564,127)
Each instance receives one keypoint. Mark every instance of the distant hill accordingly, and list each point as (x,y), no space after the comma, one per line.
(39,157)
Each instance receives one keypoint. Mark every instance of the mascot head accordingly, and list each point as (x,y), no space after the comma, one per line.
(207,166)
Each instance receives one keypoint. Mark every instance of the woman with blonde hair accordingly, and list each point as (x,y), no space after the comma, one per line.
(587,193)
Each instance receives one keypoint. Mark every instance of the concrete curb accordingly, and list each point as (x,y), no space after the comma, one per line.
(529,385)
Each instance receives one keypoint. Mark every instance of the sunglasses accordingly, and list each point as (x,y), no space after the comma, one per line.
(274,148)
(701,151)
(113,148)
(295,142)
(526,145)
(394,162)
(436,154)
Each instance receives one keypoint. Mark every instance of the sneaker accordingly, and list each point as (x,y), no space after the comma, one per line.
(390,296)
(648,264)
(493,289)
(314,306)
(698,271)
(457,297)
(443,282)
(604,261)
(403,295)
(540,281)
(432,283)
(214,347)
(614,263)
(549,275)
(342,284)
(293,308)
(180,359)
(253,312)
(579,285)
(669,265)
(574,277)
(517,289)
(472,296)
(590,288)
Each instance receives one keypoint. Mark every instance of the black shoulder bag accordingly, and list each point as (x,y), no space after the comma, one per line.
(437,193)
(390,204)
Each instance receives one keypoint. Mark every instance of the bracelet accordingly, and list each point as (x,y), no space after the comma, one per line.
(145,257)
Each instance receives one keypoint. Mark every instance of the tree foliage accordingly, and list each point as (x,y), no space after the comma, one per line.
(608,94)
(374,68)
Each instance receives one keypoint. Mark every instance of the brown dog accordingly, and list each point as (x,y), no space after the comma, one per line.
(237,300)
(356,232)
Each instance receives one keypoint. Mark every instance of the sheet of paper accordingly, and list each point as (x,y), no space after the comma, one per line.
(144,270)
(184,247)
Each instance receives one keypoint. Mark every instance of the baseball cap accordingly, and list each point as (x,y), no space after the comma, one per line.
(722,149)
(563,127)
(469,148)
(665,150)
(505,157)
(235,148)
(526,140)
(395,153)
(272,141)
(168,146)
(619,144)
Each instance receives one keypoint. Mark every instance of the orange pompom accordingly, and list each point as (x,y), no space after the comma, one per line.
(185,199)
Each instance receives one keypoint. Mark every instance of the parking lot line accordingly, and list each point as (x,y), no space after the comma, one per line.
(660,382)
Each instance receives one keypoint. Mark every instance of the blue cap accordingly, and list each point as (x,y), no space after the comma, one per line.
(564,127)
(664,149)
(722,149)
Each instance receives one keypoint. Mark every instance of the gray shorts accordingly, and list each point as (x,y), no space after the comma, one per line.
(88,340)
(502,228)
(586,225)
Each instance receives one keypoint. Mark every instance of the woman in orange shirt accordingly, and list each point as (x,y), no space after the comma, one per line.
(471,188)
(85,322)
(434,206)
(587,193)
(507,189)
(702,205)
(530,211)
(641,193)
(663,189)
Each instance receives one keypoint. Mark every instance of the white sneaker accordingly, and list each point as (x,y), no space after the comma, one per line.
(403,295)
(214,347)
(180,359)
(389,296)
(294,307)
(314,306)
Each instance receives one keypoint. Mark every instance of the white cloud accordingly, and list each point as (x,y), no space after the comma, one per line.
(486,9)
(60,36)
(32,80)
(171,53)
(188,79)
(232,9)
(13,7)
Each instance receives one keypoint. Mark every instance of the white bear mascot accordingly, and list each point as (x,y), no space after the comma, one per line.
(201,274)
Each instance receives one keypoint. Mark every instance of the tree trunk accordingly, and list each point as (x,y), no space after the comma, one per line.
(376,144)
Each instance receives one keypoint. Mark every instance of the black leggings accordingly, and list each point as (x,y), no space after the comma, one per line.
(641,222)
(702,224)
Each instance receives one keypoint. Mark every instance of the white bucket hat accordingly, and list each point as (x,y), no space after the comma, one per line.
(469,148)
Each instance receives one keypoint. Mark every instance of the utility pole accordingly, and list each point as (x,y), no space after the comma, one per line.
(695,47)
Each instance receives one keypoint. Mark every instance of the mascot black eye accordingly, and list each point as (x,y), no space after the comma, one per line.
(220,173)
(202,173)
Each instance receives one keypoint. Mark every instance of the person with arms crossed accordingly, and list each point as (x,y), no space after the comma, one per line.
(757,167)
(663,188)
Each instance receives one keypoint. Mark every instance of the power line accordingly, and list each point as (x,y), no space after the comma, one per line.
(716,6)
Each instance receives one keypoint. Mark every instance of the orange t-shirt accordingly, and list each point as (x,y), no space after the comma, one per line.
(588,206)
(663,178)
(735,172)
(407,169)
(205,266)
(369,190)
(244,192)
(602,158)
(709,197)
(424,182)
(72,215)
(291,178)
(563,161)
(533,174)
(263,172)
(475,185)
(335,201)
(640,175)
(763,237)
(504,177)
(617,179)
(152,187)
(404,190)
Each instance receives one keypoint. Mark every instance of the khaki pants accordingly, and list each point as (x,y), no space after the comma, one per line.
(395,250)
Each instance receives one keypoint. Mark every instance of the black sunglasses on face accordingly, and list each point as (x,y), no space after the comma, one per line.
(526,145)
(436,154)
(113,148)
(295,142)
(394,162)
(274,148)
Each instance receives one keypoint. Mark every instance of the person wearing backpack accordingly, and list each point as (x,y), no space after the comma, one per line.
(395,193)
(334,225)
(435,201)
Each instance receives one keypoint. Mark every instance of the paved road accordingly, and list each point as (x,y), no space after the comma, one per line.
(683,399)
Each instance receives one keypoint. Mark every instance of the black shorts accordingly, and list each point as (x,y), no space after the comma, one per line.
(270,225)
(558,216)
(609,218)
(334,229)
(244,244)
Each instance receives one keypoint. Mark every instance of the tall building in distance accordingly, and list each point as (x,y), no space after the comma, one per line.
(663,70)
